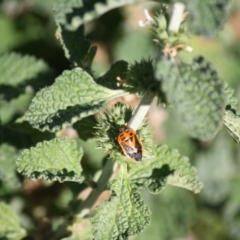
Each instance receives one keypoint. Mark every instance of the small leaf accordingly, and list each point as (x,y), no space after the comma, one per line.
(231,119)
(8,177)
(166,167)
(231,100)
(140,79)
(55,160)
(10,225)
(21,74)
(72,97)
(123,215)
(75,45)
(17,106)
(73,13)
(232,122)
(197,93)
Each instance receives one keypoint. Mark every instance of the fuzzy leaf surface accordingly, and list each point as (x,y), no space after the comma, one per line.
(232,122)
(197,93)
(73,13)
(231,119)
(55,160)
(123,215)
(208,17)
(231,100)
(166,167)
(21,74)
(10,225)
(72,97)
(8,177)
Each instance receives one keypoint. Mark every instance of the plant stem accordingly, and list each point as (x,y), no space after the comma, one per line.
(143,107)
(176,18)
(141,111)
(101,185)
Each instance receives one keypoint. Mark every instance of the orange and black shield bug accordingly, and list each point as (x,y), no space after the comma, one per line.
(130,143)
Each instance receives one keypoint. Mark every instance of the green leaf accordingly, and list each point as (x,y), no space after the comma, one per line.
(10,225)
(231,100)
(15,107)
(8,177)
(140,79)
(208,17)
(166,167)
(72,97)
(75,45)
(232,122)
(21,74)
(73,13)
(55,160)
(123,215)
(231,119)
(197,93)
(18,32)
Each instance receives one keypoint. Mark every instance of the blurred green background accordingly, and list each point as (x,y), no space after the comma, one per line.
(28,27)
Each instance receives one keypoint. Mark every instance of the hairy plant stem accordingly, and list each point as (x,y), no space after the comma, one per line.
(141,111)
(101,185)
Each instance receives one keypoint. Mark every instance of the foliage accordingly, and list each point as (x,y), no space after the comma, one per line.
(54,114)
(10,223)
(126,200)
(8,178)
(73,96)
(199,100)
(58,159)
